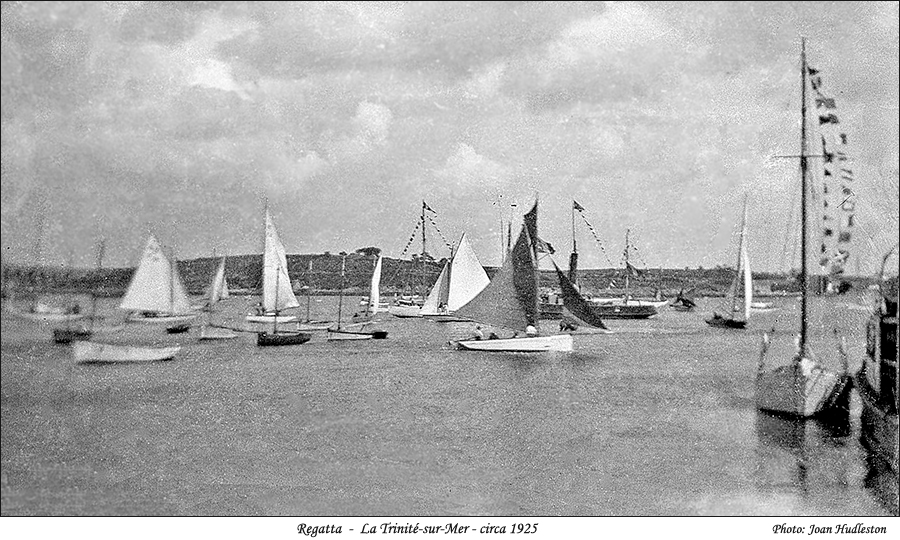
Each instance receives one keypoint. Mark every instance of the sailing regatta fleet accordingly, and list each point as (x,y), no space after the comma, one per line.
(510,308)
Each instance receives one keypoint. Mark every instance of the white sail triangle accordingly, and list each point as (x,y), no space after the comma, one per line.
(156,285)
(277,292)
(218,288)
(438,294)
(375,288)
(467,276)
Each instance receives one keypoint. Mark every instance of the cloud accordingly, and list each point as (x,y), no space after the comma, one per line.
(467,167)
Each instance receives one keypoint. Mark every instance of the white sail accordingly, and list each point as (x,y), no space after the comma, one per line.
(218,289)
(156,285)
(438,294)
(748,277)
(375,288)
(277,292)
(467,276)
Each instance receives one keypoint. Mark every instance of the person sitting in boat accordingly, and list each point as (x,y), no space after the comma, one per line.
(531,331)
(567,326)
(493,335)
(442,308)
(260,310)
(478,335)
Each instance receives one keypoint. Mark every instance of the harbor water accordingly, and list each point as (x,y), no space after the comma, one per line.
(656,418)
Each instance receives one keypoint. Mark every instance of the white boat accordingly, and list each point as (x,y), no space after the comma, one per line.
(91,351)
(461,279)
(217,291)
(726,316)
(277,292)
(803,388)
(156,294)
(511,301)
(560,343)
(356,330)
(405,311)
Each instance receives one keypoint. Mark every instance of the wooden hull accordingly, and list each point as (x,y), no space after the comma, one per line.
(721,322)
(560,343)
(213,332)
(349,335)
(49,316)
(447,317)
(172,320)
(178,328)
(629,311)
(405,311)
(266,339)
(90,351)
(65,336)
(270,319)
(803,390)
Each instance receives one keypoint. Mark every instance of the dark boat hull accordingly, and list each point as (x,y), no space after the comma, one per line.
(178,328)
(613,311)
(64,336)
(720,322)
(266,339)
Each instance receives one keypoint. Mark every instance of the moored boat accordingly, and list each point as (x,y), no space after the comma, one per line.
(94,352)
(272,339)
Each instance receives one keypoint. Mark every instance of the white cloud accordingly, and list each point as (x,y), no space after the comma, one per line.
(468,167)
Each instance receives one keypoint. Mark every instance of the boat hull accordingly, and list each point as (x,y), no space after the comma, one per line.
(267,339)
(448,317)
(802,389)
(349,335)
(721,322)
(50,316)
(64,336)
(213,332)
(560,343)
(162,319)
(405,311)
(270,319)
(879,428)
(93,352)
(178,328)
(628,311)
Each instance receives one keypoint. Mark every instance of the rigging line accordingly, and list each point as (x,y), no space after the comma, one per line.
(441,234)
(789,240)
(596,237)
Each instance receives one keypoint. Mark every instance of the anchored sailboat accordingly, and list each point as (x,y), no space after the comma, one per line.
(348,333)
(730,307)
(804,387)
(218,290)
(277,294)
(156,293)
(461,279)
(510,301)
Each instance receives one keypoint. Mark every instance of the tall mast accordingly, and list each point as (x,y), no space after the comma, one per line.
(422,286)
(172,284)
(737,267)
(803,173)
(627,269)
(341,292)
(277,284)
(308,289)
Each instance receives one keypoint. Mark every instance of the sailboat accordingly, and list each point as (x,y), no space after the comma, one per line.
(803,388)
(730,307)
(510,301)
(156,293)
(218,290)
(578,313)
(277,293)
(348,332)
(461,279)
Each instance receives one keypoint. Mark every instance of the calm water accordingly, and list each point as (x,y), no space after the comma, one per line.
(656,419)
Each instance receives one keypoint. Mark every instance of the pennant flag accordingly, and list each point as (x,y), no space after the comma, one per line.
(577,206)
(544,247)
(843,138)
(426,207)
(632,271)
(828,119)
(828,103)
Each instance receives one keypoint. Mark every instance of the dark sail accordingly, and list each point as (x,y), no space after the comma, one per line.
(510,300)
(576,305)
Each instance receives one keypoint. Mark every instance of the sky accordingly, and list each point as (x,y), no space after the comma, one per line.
(182,118)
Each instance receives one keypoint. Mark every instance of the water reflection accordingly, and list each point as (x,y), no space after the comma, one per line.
(882,482)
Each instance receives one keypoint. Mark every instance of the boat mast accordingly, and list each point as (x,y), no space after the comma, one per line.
(627,269)
(100,249)
(277,284)
(341,292)
(172,284)
(803,174)
(737,276)
(422,285)
(308,289)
